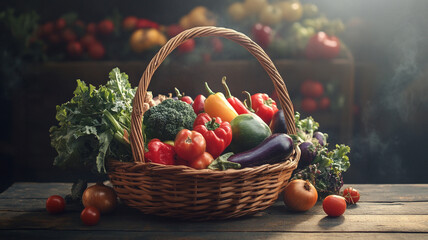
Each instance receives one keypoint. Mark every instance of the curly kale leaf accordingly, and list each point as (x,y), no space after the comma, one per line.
(326,170)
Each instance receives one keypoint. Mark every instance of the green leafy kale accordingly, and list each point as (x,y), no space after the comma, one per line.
(326,170)
(92,126)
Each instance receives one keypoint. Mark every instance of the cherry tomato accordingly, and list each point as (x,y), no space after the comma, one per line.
(91,28)
(60,24)
(202,162)
(351,195)
(334,205)
(189,144)
(129,23)
(87,40)
(74,49)
(96,50)
(90,216)
(105,27)
(55,204)
(48,28)
(187,46)
(309,105)
(324,103)
(311,88)
(300,195)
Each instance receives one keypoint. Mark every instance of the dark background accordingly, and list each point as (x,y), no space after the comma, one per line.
(390,134)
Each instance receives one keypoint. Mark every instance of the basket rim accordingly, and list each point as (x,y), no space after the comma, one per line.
(290,162)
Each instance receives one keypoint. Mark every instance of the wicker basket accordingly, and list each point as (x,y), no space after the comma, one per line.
(183,192)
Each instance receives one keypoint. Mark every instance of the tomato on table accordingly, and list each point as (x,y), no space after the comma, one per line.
(90,216)
(55,204)
(334,205)
(351,195)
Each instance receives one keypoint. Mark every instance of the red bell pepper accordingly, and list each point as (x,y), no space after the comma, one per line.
(264,106)
(160,152)
(218,134)
(198,104)
(322,46)
(183,98)
(235,102)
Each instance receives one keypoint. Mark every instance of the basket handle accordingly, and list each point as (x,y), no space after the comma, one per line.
(137,141)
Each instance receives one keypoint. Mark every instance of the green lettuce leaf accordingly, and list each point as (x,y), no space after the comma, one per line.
(91,125)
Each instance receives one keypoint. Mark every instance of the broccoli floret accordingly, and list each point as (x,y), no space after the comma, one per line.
(165,120)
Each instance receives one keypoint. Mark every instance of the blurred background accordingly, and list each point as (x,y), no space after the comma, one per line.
(365,82)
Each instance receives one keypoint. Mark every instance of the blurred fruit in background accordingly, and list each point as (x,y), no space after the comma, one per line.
(283,28)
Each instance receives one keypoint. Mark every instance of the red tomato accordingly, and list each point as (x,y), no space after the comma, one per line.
(60,24)
(80,25)
(309,105)
(91,28)
(74,49)
(55,204)
(351,195)
(54,38)
(202,162)
(88,40)
(129,23)
(262,34)
(90,216)
(300,195)
(189,144)
(322,46)
(324,103)
(217,45)
(173,30)
(105,27)
(310,88)
(96,50)
(334,205)
(187,46)
(68,35)
(47,28)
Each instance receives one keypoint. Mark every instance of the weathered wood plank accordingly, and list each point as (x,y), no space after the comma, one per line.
(369,192)
(106,235)
(31,190)
(258,223)
(362,208)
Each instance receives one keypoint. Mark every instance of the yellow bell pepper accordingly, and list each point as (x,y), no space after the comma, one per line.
(216,105)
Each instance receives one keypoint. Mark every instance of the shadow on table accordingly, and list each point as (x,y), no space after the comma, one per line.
(330,222)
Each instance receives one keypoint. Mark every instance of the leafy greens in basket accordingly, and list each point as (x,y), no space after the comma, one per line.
(93,123)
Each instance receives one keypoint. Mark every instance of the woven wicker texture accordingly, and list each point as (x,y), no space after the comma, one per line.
(183,192)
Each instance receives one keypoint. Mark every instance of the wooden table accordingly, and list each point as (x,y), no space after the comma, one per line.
(384,212)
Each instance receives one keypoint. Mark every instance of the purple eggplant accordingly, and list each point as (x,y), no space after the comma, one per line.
(308,154)
(274,149)
(320,137)
(277,124)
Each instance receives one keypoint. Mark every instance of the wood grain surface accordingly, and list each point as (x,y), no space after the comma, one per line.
(383,212)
